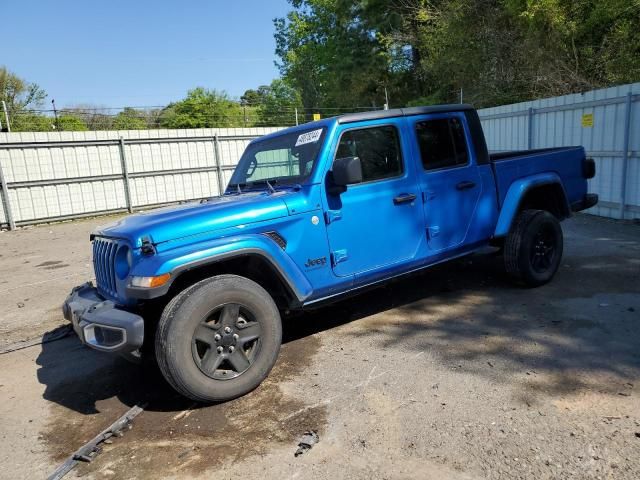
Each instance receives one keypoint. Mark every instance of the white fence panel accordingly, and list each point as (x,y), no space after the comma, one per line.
(59,175)
(606,122)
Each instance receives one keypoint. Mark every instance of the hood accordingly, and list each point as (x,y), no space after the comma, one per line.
(194,218)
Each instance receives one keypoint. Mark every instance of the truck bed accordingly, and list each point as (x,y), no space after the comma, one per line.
(566,162)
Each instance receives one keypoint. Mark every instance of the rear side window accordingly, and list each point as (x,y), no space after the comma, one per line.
(378,149)
(442,143)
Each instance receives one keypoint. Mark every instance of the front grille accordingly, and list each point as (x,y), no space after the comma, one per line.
(104,255)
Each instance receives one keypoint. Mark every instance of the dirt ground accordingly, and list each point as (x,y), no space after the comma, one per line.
(450,374)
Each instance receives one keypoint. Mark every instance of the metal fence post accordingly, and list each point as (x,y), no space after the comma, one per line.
(625,154)
(125,176)
(530,128)
(216,155)
(6,116)
(5,201)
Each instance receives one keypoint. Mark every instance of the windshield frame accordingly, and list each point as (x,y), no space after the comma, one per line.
(283,180)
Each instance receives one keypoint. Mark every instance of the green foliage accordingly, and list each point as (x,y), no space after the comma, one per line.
(30,122)
(202,108)
(342,53)
(330,57)
(129,119)
(254,97)
(93,116)
(71,123)
(278,104)
(19,94)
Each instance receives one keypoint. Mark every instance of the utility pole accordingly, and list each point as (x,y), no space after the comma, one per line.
(6,116)
(55,114)
(386,99)
(296,116)
(460,94)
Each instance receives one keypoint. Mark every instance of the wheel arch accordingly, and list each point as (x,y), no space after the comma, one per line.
(251,263)
(540,192)
(254,256)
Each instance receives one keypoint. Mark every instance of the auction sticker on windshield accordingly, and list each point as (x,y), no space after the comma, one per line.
(309,137)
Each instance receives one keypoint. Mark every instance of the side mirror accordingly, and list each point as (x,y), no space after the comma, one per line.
(346,171)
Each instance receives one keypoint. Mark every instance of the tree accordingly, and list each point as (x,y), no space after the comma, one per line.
(129,119)
(254,97)
(202,108)
(343,53)
(279,103)
(18,94)
(95,117)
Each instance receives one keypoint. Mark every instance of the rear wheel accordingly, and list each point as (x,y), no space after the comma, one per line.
(533,248)
(218,339)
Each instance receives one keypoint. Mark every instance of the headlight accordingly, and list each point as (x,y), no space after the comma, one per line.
(123,262)
(150,282)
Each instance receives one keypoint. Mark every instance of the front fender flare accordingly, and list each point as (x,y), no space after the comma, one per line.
(516,193)
(182,259)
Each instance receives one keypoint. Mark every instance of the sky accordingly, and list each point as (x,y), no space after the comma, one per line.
(114,53)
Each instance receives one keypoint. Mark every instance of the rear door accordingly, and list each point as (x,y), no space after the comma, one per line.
(378,222)
(449,180)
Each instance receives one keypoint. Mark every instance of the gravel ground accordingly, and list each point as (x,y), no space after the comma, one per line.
(451,374)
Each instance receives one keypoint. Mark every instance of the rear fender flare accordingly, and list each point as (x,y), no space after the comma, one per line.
(516,193)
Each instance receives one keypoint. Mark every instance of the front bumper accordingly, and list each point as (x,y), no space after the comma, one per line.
(100,324)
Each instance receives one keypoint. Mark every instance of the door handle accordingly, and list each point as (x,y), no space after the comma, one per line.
(465,185)
(404,198)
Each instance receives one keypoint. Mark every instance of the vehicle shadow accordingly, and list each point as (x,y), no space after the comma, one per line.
(80,378)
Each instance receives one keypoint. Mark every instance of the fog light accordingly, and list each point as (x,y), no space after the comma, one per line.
(105,337)
(150,282)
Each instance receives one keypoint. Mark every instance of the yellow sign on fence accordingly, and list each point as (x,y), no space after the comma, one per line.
(316,116)
(587,119)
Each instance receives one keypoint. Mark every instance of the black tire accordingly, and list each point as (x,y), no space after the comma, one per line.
(533,248)
(205,343)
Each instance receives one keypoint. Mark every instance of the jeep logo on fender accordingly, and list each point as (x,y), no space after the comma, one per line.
(316,262)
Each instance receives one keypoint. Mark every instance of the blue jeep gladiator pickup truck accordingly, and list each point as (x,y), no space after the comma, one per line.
(312,213)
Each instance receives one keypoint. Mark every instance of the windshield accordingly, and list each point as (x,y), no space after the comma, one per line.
(283,160)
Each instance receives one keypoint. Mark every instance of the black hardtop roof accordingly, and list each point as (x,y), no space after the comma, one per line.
(402,112)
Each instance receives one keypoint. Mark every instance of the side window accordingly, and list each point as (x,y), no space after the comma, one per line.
(442,143)
(378,149)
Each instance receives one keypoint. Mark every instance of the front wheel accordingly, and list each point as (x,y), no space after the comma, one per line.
(533,248)
(219,338)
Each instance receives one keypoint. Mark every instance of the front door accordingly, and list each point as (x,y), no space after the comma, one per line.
(449,179)
(378,222)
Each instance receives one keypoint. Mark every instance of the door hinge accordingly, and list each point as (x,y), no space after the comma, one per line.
(338,256)
(433,232)
(332,216)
